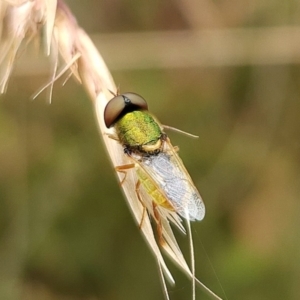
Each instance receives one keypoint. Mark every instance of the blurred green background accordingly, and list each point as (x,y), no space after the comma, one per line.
(65,229)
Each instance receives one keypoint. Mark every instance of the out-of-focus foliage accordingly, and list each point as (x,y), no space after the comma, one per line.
(65,231)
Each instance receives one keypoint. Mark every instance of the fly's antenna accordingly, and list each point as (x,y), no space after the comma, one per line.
(118,90)
(114,94)
(180,131)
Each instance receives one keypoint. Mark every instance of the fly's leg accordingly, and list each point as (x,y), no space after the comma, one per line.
(180,131)
(123,169)
(137,190)
(161,240)
(112,136)
(167,141)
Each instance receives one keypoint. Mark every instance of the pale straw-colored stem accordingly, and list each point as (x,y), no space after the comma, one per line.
(65,39)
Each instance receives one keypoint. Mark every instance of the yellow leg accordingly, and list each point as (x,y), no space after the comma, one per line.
(161,240)
(123,169)
(137,190)
(112,136)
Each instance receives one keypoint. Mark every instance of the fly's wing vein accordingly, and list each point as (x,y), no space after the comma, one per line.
(168,173)
(195,202)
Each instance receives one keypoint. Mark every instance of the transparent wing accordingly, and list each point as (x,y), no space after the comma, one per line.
(169,174)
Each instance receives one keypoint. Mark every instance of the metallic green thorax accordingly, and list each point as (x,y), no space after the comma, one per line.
(138,128)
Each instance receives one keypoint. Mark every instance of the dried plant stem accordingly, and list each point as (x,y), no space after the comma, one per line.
(66,39)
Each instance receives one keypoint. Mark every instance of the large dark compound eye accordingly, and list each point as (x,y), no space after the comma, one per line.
(122,104)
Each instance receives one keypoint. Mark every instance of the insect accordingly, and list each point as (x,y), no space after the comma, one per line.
(159,169)
(161,173)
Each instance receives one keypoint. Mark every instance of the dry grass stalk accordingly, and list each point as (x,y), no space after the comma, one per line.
(21,21)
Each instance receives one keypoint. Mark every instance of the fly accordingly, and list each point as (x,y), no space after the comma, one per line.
(161,173)
(159,168)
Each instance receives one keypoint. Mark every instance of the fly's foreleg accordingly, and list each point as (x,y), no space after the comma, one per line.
(123,169)
(112,136)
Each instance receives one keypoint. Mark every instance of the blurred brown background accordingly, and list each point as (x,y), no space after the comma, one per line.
(227,71)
